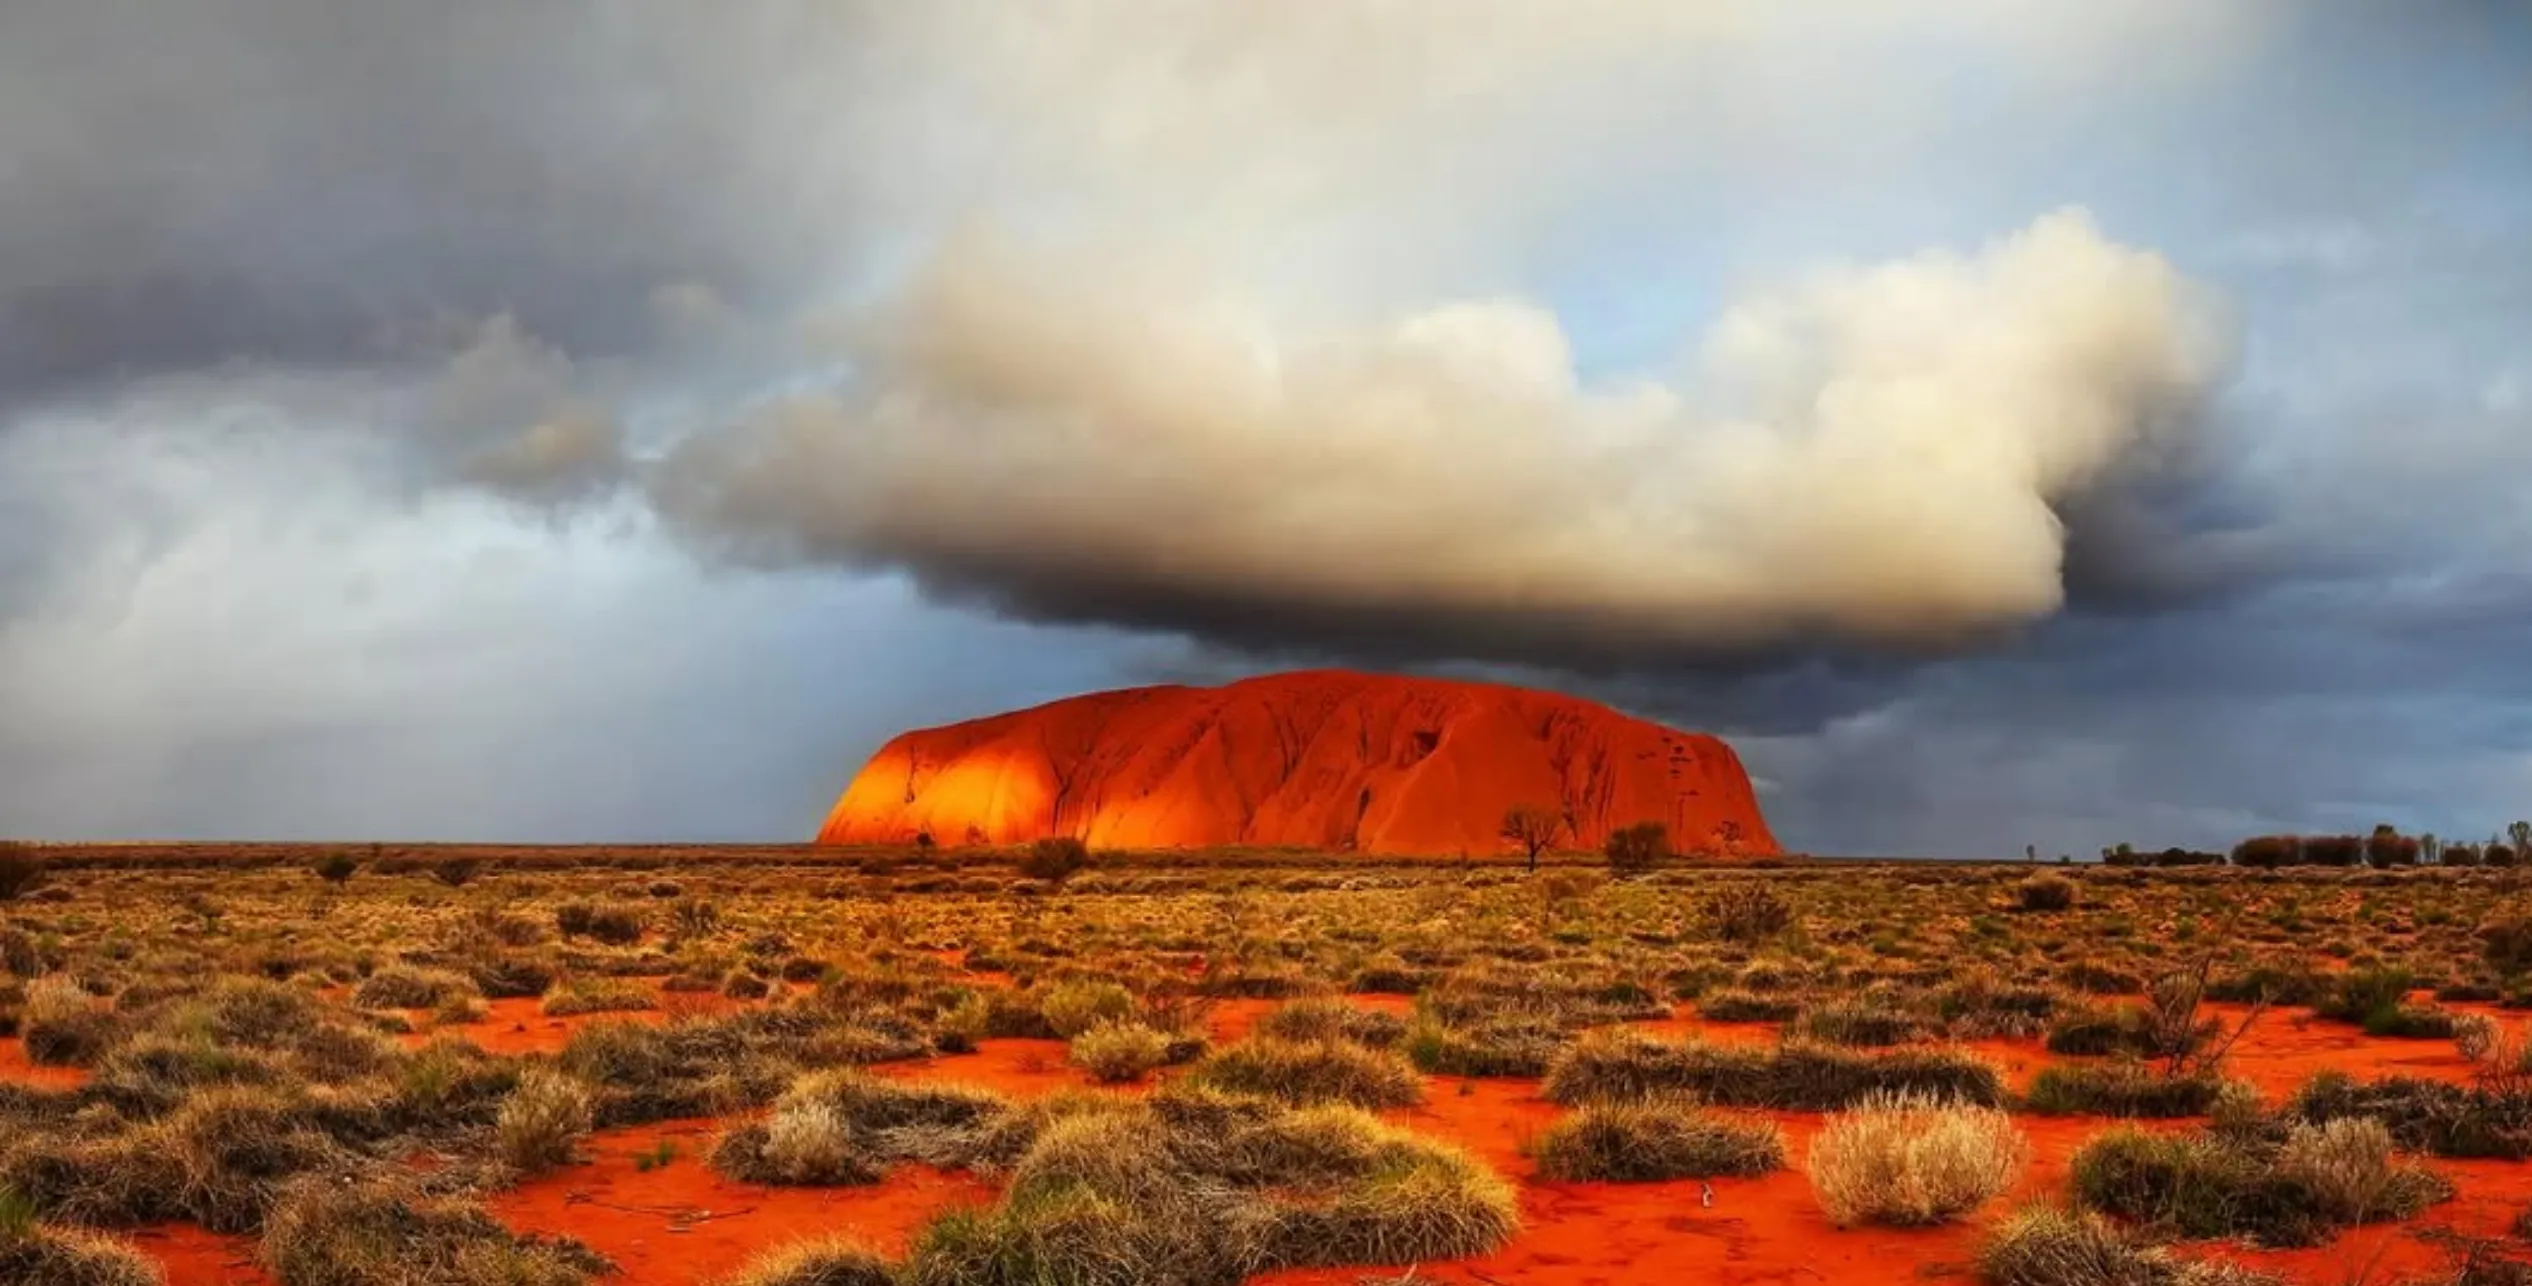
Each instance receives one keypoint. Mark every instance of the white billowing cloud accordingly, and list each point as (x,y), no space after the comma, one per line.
(1872,454)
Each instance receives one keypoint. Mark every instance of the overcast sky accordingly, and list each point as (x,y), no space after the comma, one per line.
(2007,422)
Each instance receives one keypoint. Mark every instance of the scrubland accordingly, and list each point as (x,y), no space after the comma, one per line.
(421,1068)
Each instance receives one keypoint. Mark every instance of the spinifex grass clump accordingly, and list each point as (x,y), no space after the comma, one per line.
(1865,1022)
(62,1025)
(1207,1190)
(1792,1077)
(1118,1052)
(845,1127)
(2124,1088)
(1735,1005)
(2045,1247)
(1309,1072)
(2292,1189)
(707,1066)
(542,1123)
(327,1233)
(1327,1018)
(822,1261)
(2492,1119)
(217,1160)
(1496,1047)
(38,1254)
(1909,1160)
(1662,1137)
(1912,1160)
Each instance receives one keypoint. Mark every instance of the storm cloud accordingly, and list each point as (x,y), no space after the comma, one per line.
(1988,400)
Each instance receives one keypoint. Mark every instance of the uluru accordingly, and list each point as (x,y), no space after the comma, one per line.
(1329,759)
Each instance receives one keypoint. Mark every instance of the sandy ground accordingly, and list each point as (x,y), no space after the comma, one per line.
(680,1224)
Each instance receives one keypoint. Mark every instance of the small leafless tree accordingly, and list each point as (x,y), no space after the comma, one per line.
(1534,827)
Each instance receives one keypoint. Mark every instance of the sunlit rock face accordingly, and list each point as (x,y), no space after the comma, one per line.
(1331,760)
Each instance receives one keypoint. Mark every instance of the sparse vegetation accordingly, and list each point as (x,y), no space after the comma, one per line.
(1660,1137)
(199,1047)
(1911,1160)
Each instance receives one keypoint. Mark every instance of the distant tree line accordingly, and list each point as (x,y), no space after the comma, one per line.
(2385,847)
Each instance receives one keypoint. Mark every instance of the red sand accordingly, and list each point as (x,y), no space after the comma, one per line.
(195,1257)
(16,1067)
(1327,759)
(519,1025)
(682,1224)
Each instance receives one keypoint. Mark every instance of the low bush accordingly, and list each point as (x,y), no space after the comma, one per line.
(22,871)
(1193,1187)
(62,1025)
(1055,859)
(1071,1008)
(1116,1052)
(1857,1023)
(1306,1073)
(1502,1047)
(1638,848)
(1913,1160)
(1733,1005)
(821,1261)
(614,923)
(2119,1089)
(845,1127)
(2044,893)
(542,1122)
(586,994)
(2423,1116)
(1791,1077)
(35,1254)
(1327,1018)
(405,988)
(1746,912)
(1653,1139)
(2047,1247)
(2290,1191)
(327,1233)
